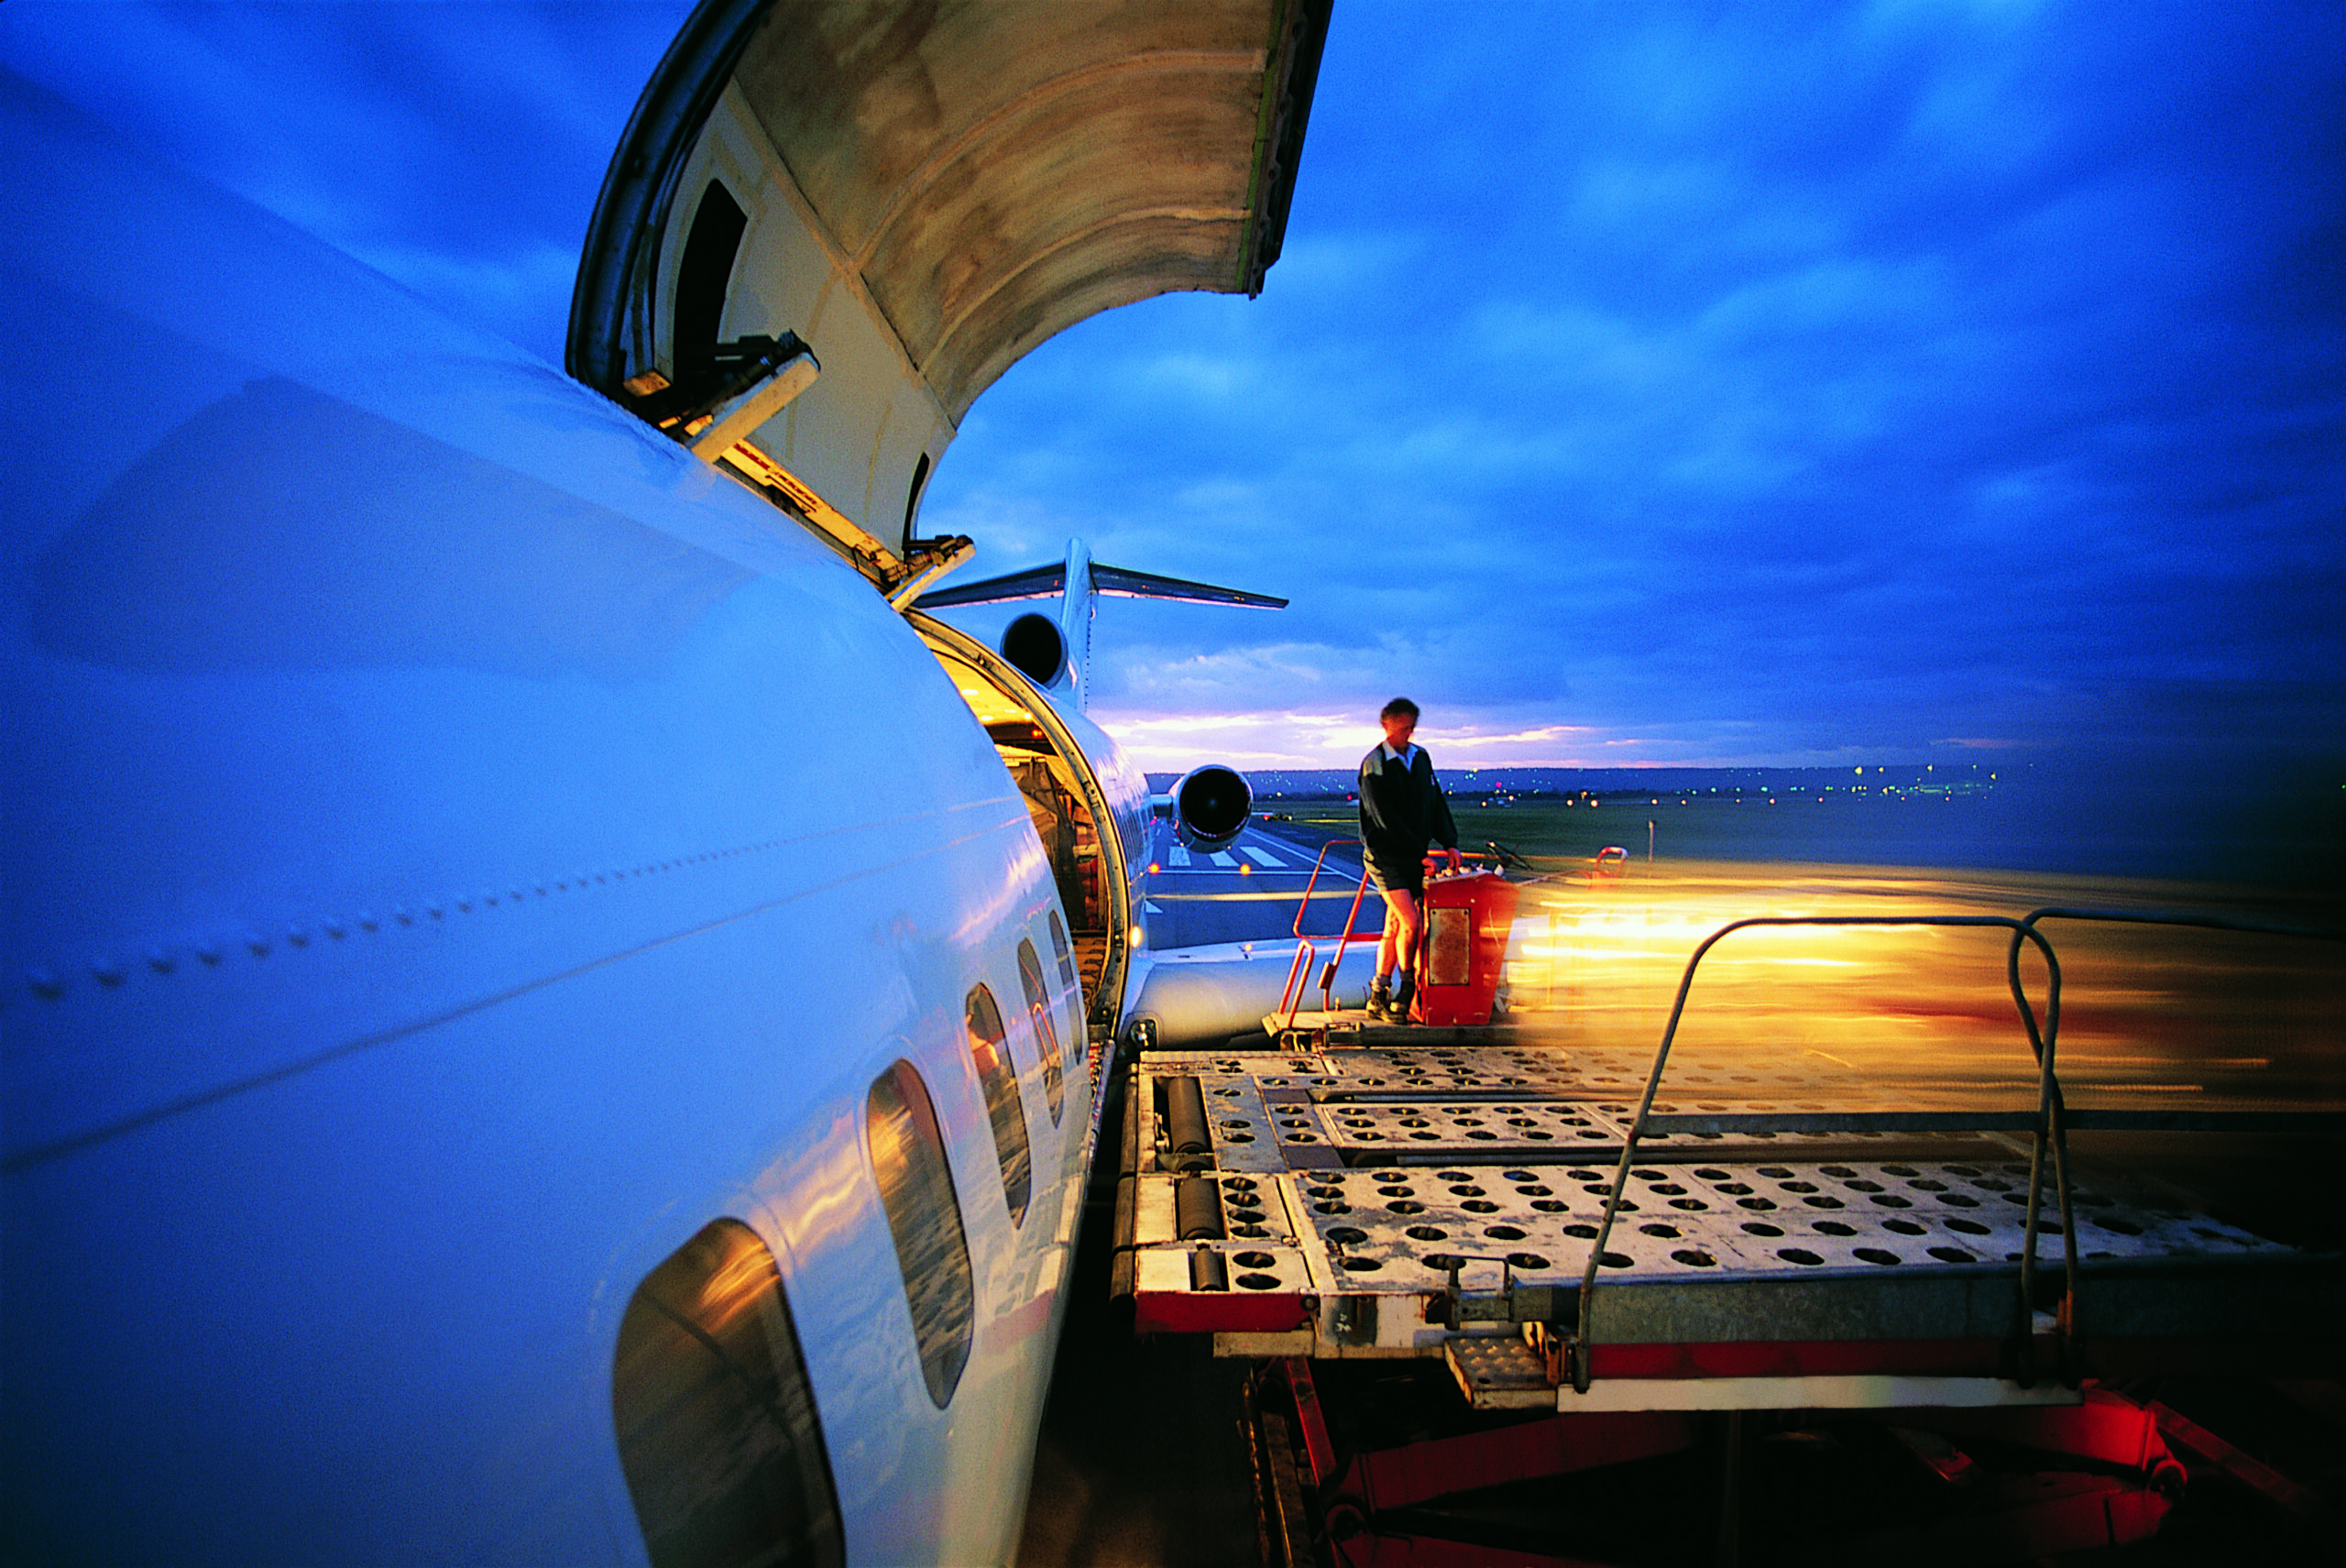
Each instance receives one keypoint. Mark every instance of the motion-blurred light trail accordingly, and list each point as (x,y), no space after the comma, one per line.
(1925,1013)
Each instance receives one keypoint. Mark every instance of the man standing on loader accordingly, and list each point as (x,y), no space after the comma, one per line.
(1402,809)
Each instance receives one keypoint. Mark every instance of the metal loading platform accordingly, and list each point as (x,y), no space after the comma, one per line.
(1443,1202)
(1609,1259)
(1564,1236)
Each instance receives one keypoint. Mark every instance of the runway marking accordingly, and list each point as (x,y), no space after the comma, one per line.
(1223,857)
(1177,856)
(1262,858)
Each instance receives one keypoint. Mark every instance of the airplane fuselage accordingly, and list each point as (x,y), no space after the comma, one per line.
(461,845)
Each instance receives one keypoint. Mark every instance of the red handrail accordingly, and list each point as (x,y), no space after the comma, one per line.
(1307,949)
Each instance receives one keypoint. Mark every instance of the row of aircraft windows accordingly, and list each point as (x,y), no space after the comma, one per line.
(916,1185)
(718,1433)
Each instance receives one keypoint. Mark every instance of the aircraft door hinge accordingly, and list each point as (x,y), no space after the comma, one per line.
(930,560)
(787,370)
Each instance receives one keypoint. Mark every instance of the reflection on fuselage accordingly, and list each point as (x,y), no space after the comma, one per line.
(2149,1016)
(716,1426)
(1047,1035)
(925,1218)
(998,1076)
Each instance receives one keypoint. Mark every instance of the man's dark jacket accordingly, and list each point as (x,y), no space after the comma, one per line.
(1402,810)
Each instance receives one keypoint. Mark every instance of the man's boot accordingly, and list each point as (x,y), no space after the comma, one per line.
(1405,991)
(1380,997)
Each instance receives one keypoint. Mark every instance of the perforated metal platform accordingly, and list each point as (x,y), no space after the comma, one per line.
(1385,1201)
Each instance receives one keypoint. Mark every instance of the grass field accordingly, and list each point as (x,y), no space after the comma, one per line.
(1910,830)
(2284,858)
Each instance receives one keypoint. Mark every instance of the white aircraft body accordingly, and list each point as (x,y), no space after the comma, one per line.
(541,1021)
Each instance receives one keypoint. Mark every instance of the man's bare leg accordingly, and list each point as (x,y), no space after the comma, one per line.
(1398,947)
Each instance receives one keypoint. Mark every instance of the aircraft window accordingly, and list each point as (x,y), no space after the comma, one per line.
(925,1218)
(702,278)
(1066,977)
(1060,947)
(990,1049)
(717,1427)
(1047,1035)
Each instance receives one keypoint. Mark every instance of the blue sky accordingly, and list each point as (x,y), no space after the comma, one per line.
(1684,384)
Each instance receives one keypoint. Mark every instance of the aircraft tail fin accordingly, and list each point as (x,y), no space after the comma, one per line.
(1057,654)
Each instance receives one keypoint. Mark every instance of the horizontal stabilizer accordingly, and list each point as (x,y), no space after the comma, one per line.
(1115,580)
(1049,582)
(1034,583)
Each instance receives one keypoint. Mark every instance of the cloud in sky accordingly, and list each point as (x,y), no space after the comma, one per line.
(1648,383)
(456,147)
(1760,384)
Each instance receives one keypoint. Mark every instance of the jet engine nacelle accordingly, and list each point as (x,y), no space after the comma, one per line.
(1036,647)
(1209,805)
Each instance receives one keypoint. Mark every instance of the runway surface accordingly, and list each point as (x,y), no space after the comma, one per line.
(1250,891)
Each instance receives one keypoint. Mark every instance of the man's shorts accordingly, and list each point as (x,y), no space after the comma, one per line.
(1391,875)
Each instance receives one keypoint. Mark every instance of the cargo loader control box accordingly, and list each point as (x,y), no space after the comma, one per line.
(1463,948)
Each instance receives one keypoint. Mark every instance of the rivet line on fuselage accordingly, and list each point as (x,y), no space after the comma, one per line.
(50,983)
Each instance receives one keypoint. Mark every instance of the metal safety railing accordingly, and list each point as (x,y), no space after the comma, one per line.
(2048,1124)
(2046,1121)
(1307,948)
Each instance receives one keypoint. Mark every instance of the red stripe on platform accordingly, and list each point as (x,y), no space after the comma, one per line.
(1201,1312)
